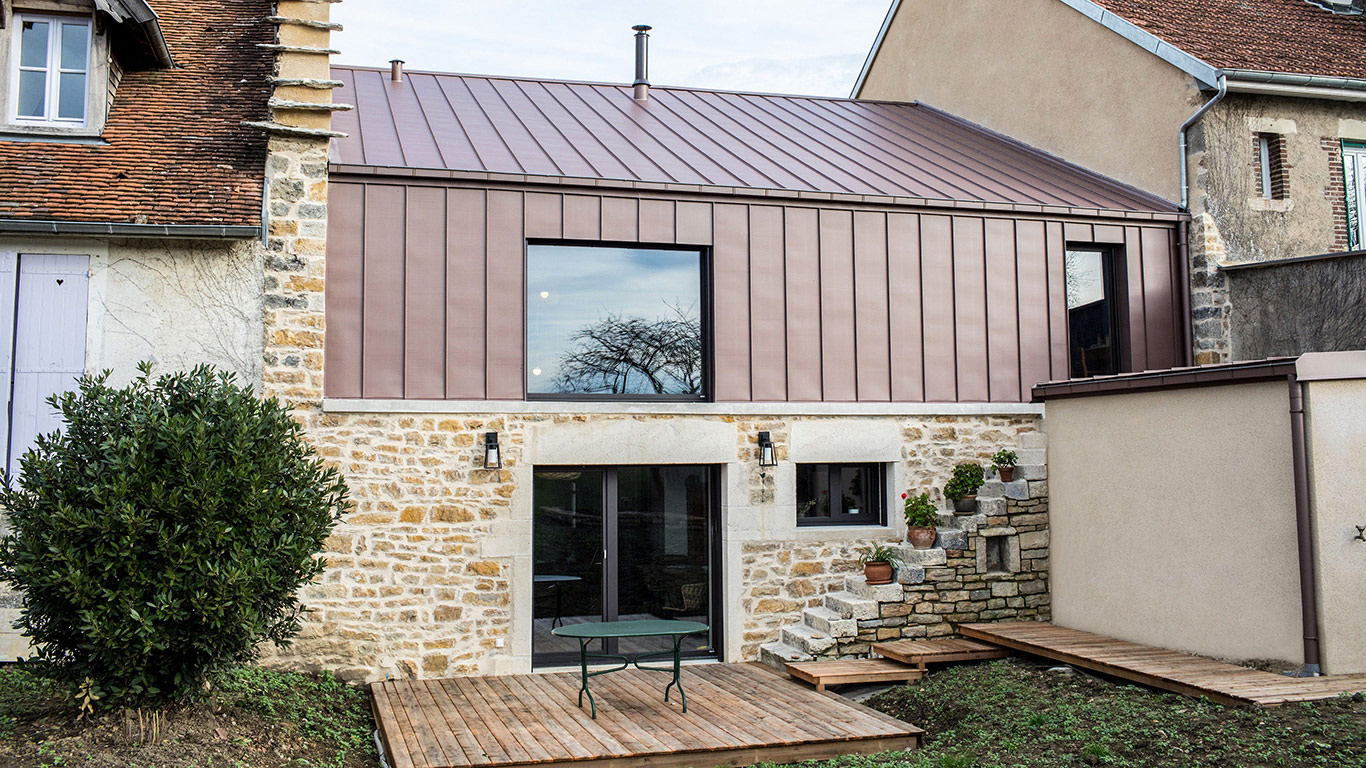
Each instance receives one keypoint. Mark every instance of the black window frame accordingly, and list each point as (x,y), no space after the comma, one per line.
(705,294)
(876,495)
(1112,266)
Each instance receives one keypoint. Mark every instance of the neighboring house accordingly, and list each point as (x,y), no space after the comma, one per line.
(135,142)
(564,323)
(1272,168)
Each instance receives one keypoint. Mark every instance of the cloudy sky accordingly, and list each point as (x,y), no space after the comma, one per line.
(782,46)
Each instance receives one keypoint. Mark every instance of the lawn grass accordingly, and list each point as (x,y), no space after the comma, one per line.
(1012,714)
(254,718)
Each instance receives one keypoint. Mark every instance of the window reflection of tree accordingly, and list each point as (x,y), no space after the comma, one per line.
(623,354)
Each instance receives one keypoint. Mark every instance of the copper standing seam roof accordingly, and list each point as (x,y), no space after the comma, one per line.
(1294,36)
(688,136)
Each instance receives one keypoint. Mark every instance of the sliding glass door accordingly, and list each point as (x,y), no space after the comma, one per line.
(624,543)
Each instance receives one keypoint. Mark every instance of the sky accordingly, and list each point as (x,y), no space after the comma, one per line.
(813,47)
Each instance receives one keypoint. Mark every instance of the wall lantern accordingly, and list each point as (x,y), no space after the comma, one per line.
(767,456)
(493,459)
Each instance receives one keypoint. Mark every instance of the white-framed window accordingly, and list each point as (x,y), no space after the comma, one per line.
(1354,168)
(50,70)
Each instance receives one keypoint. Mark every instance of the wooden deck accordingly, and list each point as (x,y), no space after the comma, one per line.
(944,650)
(1161,668)
(738,714)
(825,673)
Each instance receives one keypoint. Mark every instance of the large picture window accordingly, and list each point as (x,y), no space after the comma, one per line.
(607,321)
(1091,317)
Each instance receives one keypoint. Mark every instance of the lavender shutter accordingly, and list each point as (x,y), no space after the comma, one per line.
(49,343)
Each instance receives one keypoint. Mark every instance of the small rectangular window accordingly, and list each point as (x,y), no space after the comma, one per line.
(997,553)
(841,494)
(1092,321)
(1272,181)
(51,76)
(615,322)
(1354,168)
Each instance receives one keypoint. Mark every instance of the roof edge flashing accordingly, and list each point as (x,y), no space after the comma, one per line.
(140,15)
(877,44)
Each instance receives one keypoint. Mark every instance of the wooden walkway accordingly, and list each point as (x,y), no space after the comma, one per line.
(738,714)
(1161,668)
(943,650)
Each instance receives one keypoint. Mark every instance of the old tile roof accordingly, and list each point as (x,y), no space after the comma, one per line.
(176,152)
(697,137)
(1292,36)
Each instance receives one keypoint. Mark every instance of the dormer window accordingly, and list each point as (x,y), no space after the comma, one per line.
(50,81)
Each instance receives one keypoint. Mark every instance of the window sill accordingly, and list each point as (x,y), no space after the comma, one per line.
(1276,206)
(51,135)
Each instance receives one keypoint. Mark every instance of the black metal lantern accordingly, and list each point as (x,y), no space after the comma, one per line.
(767,456)
(493,458)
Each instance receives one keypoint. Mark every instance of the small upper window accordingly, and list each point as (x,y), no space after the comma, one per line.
(50,78)
(1091,317)
(605,321)
(1272,180)
(840,494)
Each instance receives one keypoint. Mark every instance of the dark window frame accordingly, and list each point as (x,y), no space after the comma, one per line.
(877,496)
(1113,265)
(611,576)
(705,294)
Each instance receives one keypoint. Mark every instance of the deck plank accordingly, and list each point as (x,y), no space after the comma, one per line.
(737,715)
(1163,668)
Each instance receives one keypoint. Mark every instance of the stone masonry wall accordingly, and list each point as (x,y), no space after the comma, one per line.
(410,589)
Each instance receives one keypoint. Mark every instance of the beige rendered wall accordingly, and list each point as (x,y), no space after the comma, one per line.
(1337,441)
(1173,519)
(1031,69)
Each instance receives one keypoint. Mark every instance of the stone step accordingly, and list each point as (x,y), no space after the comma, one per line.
(923,557)
(1031,456)
(850,606)
(951,539)
(882,593)
(806,639)
(1031,472)
(1016,489)
(947,519)
(910,574)
(778,654)
(990,507)
(823,619)
(1034,440)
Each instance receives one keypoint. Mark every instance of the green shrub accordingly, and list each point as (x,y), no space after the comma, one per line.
(163,534)
(920,511)
(968,476)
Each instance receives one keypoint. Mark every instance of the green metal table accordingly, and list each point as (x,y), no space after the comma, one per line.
(615,630)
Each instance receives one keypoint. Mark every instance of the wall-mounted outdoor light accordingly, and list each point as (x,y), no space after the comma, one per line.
(767,456)
(493,459)
(1361,533)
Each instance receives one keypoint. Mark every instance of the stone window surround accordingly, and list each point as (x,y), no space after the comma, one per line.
(97,79)
(1283,128)
(860,436)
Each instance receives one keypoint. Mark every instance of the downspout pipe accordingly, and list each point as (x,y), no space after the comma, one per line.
(1304,531)
(1185,127)
(1183,229)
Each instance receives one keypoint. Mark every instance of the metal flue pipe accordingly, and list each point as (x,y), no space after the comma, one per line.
(641,86)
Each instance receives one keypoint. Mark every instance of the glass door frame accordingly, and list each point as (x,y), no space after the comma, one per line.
(612,557)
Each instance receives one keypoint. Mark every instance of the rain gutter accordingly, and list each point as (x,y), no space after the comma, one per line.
(119,229)
(1296,86)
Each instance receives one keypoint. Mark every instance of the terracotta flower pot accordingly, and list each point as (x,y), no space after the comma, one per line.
(878,573)
(1007,474)
(965,506)
(921,536)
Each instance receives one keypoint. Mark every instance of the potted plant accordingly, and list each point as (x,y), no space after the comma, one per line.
(920,520)
(968,476)
(879,563)
(1004,464)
